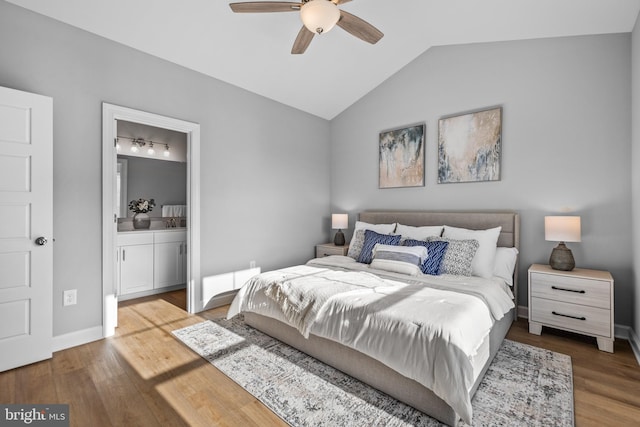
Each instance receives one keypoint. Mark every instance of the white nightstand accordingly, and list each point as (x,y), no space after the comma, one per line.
(580,301)
(327,249)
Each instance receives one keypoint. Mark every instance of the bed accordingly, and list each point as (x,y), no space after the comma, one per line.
(474,319)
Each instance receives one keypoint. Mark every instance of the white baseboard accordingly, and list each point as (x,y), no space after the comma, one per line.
(73,339)
(635,344)
(150,292)
(219,300)
(523,312)
(627,333)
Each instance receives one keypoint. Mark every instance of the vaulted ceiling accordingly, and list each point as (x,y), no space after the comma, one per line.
(252,51)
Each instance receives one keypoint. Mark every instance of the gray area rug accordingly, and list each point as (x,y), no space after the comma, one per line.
(524,386)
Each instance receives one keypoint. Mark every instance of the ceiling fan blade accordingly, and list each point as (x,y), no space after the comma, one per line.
(302,41)
(359,28)
(341,1)
(265,6)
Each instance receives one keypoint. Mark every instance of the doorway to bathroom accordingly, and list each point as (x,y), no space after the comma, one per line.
(151,222)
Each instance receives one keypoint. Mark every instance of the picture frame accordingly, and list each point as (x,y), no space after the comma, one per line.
(402,157)
(470,146)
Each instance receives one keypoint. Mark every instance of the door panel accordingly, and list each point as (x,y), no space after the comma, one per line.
(14,173)
(14,319)
(15,123)
(15,267)
(26,211)
(16,219)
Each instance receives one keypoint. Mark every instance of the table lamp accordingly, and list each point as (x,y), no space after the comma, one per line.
(339,221)
(562,229)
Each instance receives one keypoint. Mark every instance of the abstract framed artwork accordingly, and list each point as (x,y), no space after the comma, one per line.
(470,146)
(401,153)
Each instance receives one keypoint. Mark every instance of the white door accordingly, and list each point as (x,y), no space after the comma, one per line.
(26,226)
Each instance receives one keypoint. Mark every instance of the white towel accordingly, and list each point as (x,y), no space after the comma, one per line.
(174,211)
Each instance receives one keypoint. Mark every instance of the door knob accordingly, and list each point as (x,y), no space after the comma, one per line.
(41,241)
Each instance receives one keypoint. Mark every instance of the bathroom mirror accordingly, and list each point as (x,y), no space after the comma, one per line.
(151,164)
(163,181)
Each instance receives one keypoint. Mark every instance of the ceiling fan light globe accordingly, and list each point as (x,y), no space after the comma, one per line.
(319,16)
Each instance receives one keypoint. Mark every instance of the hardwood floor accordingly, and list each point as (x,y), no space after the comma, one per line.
(144,377)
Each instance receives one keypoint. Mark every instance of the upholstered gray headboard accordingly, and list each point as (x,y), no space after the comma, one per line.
(509,221)
(474,220)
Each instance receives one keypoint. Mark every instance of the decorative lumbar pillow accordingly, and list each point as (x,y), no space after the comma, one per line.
(399,259)
(371,238)
(419,233)
(505,264)
(458,257)
(484,260)
(436,250)
(355,246)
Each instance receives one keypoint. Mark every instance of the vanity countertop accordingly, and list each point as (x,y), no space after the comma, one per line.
(153,230)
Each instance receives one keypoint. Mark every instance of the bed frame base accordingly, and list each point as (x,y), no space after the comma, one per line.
(373,372)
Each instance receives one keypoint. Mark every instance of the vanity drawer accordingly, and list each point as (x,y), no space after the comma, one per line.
(574,290)
(135,238)
(170,236)
(578,318)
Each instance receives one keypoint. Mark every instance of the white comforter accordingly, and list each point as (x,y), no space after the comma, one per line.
(426,328)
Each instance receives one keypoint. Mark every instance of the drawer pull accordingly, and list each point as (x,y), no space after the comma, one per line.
(567,290)
(567,315)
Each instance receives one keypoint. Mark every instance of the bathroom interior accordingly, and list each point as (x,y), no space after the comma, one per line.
(151,164)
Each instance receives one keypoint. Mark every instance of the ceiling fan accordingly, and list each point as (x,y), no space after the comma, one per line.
(318,16)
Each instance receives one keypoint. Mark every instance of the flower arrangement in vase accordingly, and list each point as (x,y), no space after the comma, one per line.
(141,207)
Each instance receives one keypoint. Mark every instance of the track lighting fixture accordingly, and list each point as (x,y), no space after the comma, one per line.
(138,143)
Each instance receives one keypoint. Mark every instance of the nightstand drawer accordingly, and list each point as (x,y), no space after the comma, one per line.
(589,292)
(590,320)
(330,249)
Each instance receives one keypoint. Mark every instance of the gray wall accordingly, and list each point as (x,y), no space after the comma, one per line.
(163,181)
(566,142)
(635,171)
(264,165)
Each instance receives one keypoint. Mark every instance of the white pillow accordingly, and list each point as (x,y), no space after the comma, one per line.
(484,260)
(399,259)
(378,228)
(505,264)
(418,233)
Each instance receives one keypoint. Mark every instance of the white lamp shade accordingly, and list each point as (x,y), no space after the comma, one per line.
(562,228)
(319,16)
(339,221)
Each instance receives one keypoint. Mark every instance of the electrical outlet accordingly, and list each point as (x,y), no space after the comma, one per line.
(252,264)
(70,297)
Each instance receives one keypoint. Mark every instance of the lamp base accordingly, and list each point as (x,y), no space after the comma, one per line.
(339,239)
(561,258)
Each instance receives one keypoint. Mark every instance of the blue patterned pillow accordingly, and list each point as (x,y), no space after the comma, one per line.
(371,238)
(435,255)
